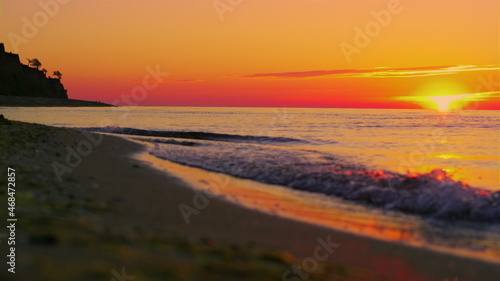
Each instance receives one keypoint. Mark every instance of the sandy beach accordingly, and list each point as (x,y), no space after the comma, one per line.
(114,216)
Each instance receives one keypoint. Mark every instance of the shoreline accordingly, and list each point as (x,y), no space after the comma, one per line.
(122,212)
(300,206)
(18,101)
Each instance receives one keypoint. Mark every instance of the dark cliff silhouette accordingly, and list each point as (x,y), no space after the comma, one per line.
(17,79)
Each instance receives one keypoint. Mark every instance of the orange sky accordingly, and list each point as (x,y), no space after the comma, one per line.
(263,52)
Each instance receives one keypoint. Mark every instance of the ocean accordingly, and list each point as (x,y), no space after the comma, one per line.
(419,177)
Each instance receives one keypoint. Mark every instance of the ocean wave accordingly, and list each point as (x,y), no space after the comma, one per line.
(194,135)
(169,141)
(434,194)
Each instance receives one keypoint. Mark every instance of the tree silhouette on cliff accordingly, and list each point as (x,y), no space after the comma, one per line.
(57,74)
(34,63)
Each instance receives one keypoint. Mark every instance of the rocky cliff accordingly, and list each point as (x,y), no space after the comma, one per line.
(17,79)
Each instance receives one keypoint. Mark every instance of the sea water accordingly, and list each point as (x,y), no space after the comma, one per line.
(437,170)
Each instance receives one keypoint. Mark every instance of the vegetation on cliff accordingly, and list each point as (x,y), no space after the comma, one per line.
(17,79)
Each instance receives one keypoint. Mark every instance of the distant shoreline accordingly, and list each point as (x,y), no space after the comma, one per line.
(16,101)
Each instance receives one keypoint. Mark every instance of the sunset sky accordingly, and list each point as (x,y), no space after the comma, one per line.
(297,53)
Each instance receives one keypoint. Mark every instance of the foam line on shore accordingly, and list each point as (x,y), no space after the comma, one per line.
(311,208)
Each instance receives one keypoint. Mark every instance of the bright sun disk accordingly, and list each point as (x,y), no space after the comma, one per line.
(445,103)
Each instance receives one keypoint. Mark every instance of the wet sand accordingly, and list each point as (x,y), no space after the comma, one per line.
(114,214)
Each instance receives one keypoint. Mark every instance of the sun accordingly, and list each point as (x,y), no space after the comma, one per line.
(441,95)
(448,102)
(442,103)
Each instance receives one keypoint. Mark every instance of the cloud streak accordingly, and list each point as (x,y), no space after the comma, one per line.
(381,72)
